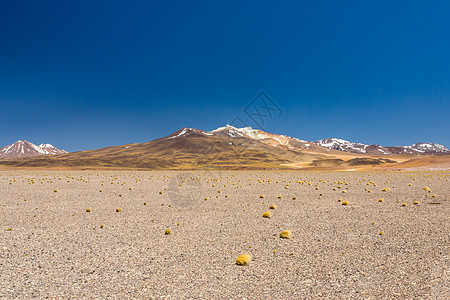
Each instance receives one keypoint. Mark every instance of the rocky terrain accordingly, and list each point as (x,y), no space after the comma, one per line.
(102,235)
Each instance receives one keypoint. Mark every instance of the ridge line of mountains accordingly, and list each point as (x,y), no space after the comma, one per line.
(226,147)
(25,148)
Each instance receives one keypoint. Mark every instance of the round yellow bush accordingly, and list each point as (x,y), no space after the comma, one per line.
(243,259)
(266,214)
(285,234)
(345,202)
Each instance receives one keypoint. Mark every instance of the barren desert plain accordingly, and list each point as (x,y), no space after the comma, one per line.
(103,234)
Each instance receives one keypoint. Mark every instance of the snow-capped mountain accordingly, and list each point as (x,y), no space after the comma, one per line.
(343,145)
(292,143)
(429,148)
(185,132)
(419,148)
(25,148)
(276,140)
(226,147)
(296,144)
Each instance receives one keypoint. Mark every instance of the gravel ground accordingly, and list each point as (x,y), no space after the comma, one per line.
(51,247)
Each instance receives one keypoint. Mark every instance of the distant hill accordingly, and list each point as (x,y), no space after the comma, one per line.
(25,148)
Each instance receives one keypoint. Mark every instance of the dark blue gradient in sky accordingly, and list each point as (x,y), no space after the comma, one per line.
(89,74)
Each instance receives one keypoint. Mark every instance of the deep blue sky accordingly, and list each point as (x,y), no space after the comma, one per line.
(89,74)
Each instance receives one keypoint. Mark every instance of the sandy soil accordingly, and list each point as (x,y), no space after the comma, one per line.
(51,247)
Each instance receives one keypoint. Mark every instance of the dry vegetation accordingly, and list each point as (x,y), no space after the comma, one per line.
(88,234)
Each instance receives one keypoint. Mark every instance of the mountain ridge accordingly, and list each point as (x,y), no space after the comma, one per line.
(187,148)
(294,143)
(352,147)
(226,147)
(23,148)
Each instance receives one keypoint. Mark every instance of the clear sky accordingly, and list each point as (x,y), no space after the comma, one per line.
(90,74)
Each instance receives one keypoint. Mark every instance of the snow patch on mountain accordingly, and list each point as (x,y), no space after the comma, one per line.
(419,148)
(292,143)
(342,145)
(249,132)
(186,131)
(25,148)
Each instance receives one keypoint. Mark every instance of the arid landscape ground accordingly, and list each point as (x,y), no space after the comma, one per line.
(101,234)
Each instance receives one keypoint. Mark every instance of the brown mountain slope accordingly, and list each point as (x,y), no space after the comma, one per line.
(185,149)
(224,148)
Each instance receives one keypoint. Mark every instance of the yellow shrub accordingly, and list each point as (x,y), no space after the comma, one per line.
(285,234)
(243,259)
(266,214)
